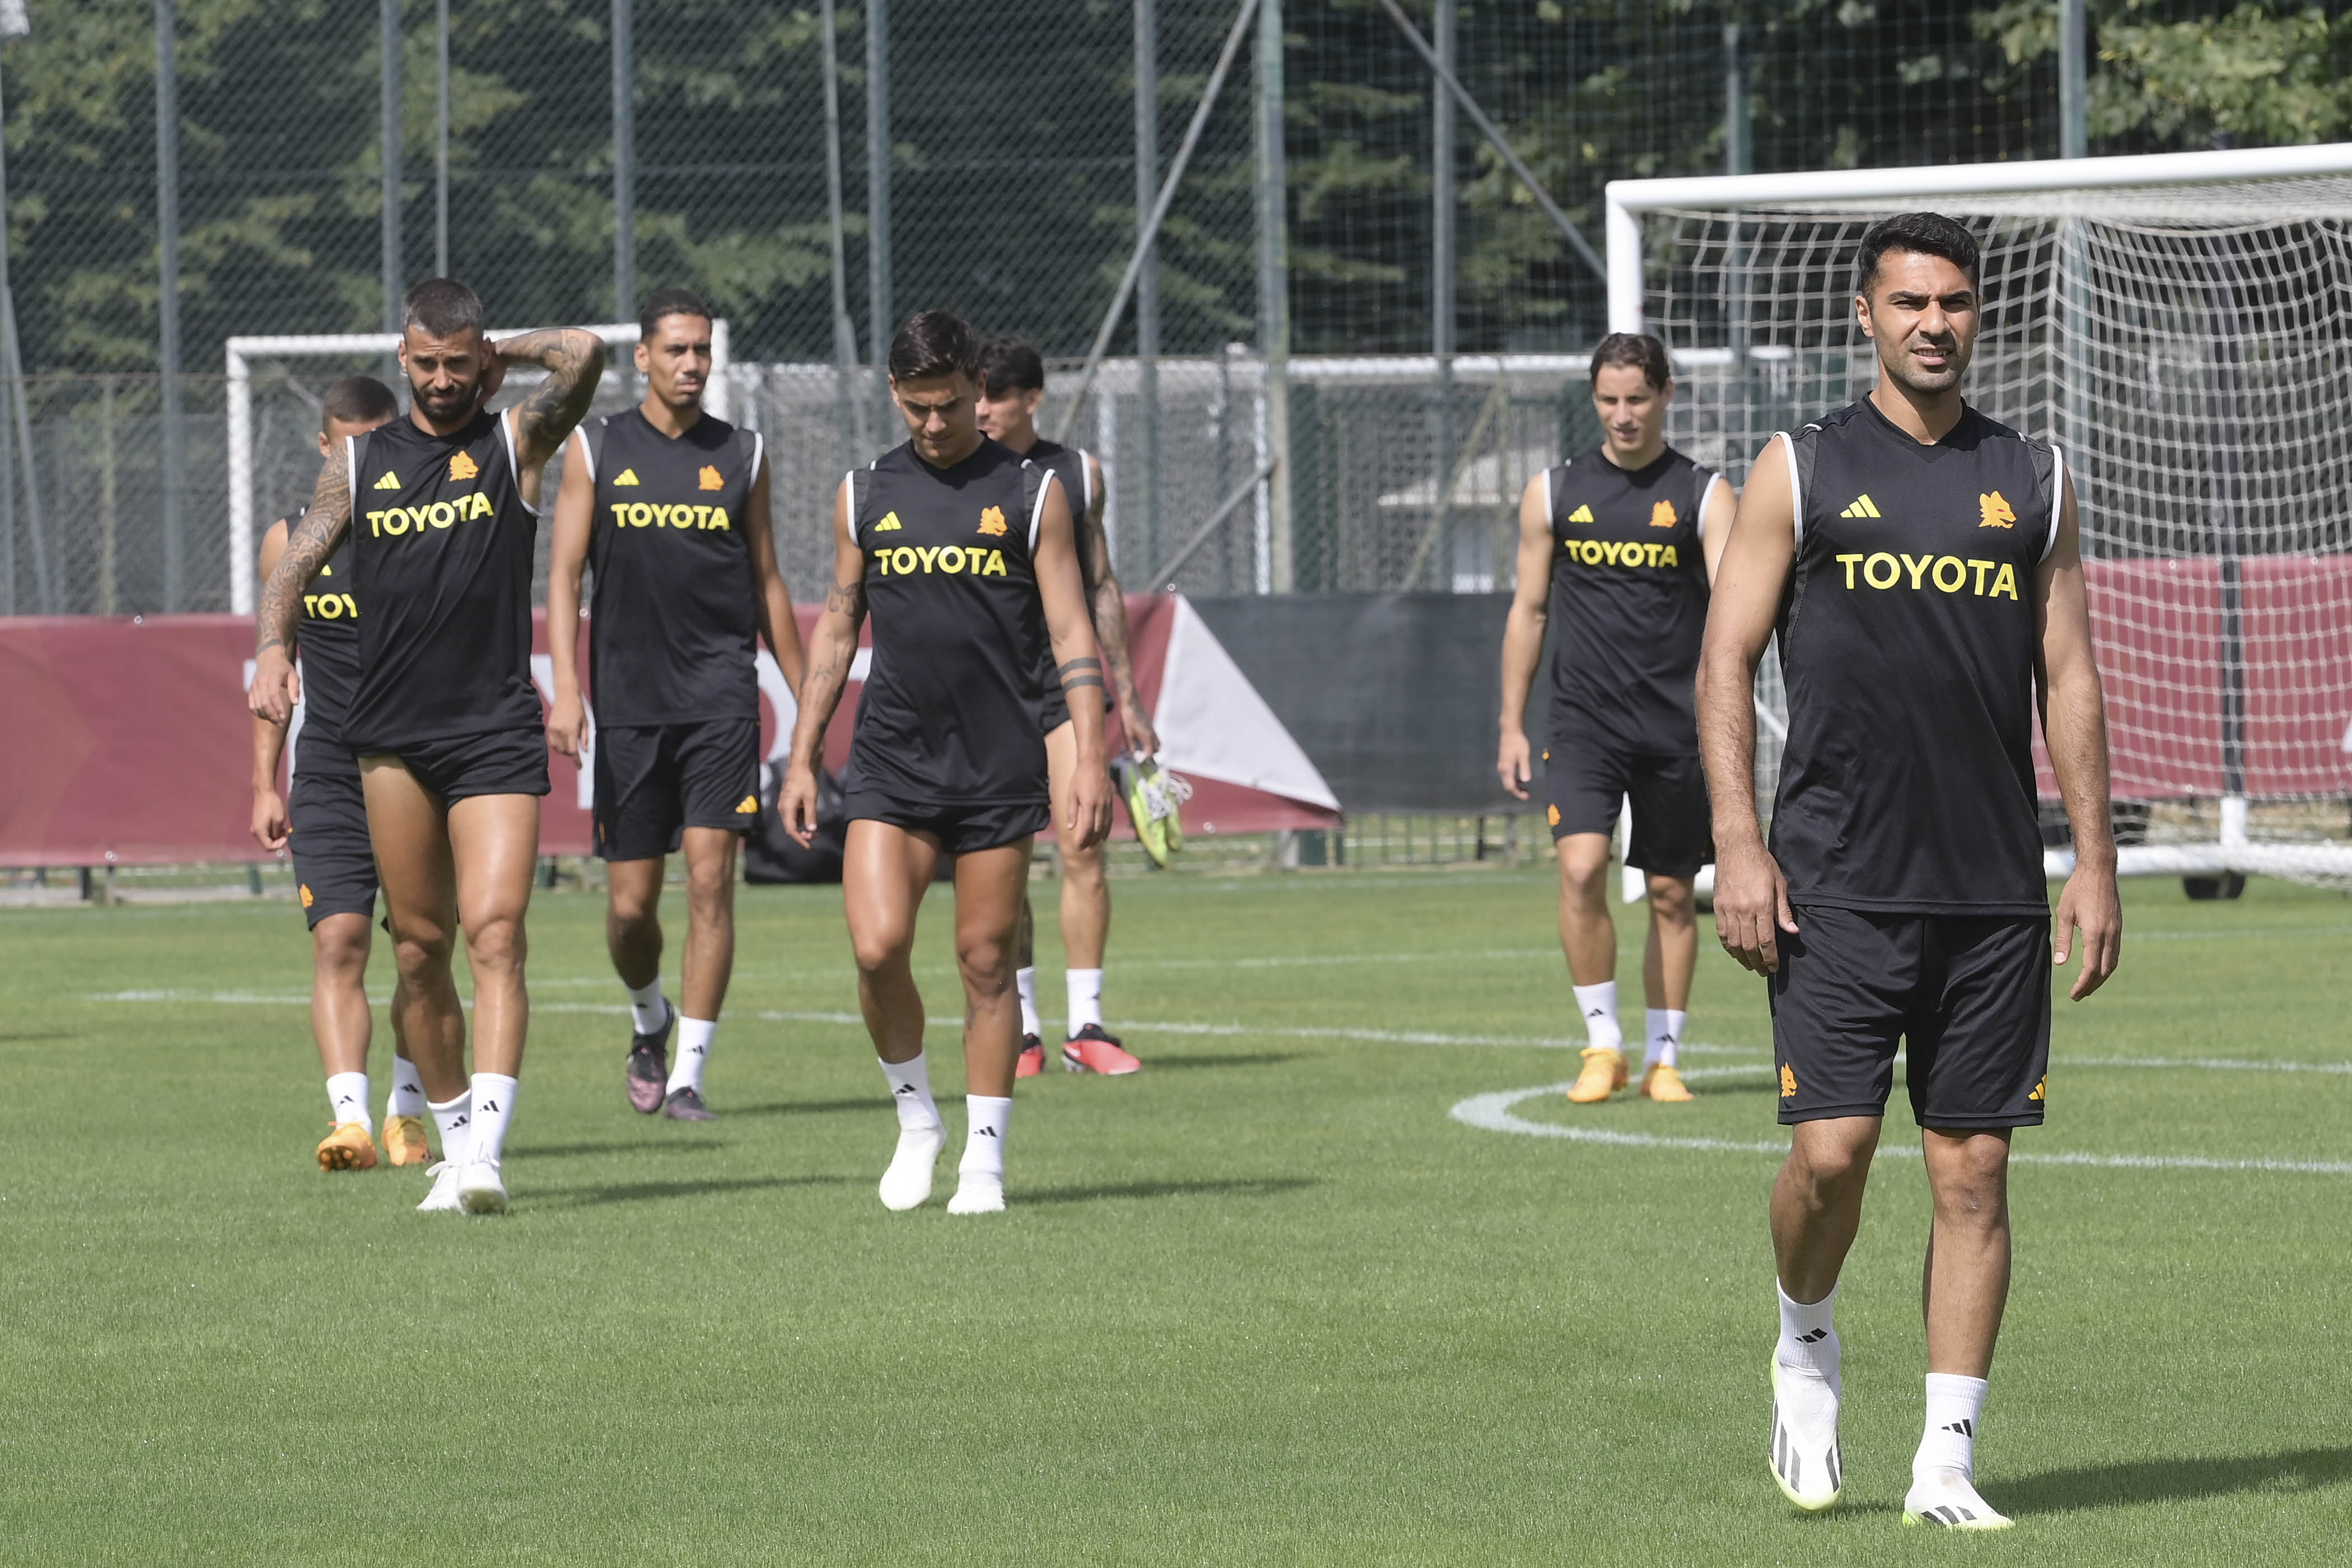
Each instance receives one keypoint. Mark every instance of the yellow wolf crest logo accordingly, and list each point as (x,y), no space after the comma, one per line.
(991,522)
(1995,511)
(1661,515)
(1788,1082)
(463,467)
(709,479)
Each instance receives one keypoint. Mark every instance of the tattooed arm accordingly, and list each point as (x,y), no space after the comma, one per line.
(574,359)
(832,646)
(1111,621)
(308,545)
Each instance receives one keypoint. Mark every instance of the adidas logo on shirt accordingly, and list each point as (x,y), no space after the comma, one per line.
(625,476)
(751,803)
(1862,506)
(1581,514)
(390,481)
(889,524)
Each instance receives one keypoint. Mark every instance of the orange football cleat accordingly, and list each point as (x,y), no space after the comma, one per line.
(1603,1075)
(347,1147)
(403,1140)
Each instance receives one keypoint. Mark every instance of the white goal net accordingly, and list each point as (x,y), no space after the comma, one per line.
(2182,326)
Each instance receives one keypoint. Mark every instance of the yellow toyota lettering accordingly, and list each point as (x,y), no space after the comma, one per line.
(929,553)
(948,550)
(1655,551)
(995,567)
(902,561)
(1847,562)
(702,517)
(1918,568)
(1959,574)
(620,514)
(1982,568)
(719,518)
(2006,583)
(1870,570)
(1670,557)
(443,514)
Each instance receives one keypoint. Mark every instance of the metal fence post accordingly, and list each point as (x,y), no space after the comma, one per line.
(2073,104)
(1147,283)
(441,138)
(625,162)
(1274,298)
(388,27)
(167,299)
(849,405)
(1441,265)
(878,178)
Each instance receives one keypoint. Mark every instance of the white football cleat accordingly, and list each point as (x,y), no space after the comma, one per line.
(977,1192)
(443,1198)
(1805,1460)
(1948,1499)
(480,1188)
(908,1182)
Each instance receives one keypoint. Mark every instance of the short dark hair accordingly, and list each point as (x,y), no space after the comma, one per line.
(1640,350)
(1011,364)
(934,342)
(442,305)
(357,400)
(664,302)
(1922,233)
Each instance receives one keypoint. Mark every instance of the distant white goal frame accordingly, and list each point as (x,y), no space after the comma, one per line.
(1626,202)
(244,351)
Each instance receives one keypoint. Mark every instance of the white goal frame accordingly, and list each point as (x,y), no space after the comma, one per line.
(1626,202)
(244,351)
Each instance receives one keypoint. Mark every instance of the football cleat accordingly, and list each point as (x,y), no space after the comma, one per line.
(908,1182)
(977,1192)
(1664,1085)
(480,1188)
(1806,1464)
(1153,799)
(1092,1050)
(684,1104)
(443,1198)
(1948,1499)
(347,1147)
(1603,1075)
(403,1140)
(649,1067)
(1032,1059)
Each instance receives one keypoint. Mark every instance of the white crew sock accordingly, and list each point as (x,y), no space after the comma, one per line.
(1808,1343)
(1086,999)
(910,1091)
(988,1119)
(347,1097)
(647,1009)
(1599,1006)
(494,1098)
(408,1097)
(455,1120)
(1025,981)
(1955,1410)
(1665,1027)
(694,1037)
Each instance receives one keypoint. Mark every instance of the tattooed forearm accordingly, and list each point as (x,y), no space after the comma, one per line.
(1110,631)
(308,545)
(847,599)
(1080,673)
(575,361)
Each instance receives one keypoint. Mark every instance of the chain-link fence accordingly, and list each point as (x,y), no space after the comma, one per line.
(1436,315)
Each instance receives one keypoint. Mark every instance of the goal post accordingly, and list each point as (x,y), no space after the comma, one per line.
(2177,324)
(244,352)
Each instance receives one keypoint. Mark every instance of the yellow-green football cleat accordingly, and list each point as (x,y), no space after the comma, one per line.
(1603,1075)
(403,1140)
(1153,799)
(347,1147)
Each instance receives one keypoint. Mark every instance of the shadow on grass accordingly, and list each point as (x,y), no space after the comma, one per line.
(1232,1059)
(647,1146)
(643,1191)
(2170,1480)
(810,1107)
(1247,1187)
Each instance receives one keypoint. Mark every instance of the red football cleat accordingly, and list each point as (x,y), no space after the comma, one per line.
(1092,1050)
(1032,1059)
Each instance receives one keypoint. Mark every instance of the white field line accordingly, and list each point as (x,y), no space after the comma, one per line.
(1494,1113)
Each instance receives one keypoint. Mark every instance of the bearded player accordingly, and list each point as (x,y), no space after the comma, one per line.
(1616,549)
(964,553)
(321,820)
(1921,566)
(1012,386)
(442,511)
(670,507)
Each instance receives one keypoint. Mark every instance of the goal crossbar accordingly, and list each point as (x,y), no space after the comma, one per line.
(242,352)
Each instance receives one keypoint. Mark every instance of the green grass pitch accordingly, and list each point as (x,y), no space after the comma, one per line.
(1266,1303)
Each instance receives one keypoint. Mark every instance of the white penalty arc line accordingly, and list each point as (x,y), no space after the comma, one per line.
(1495,1114)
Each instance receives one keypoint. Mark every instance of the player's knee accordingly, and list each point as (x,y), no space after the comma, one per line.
(1584,876)
(1830,1167)
(1673,901)
(423,956)
(710,887)
(986,961)
(496,944)
(878,951)
(1083,868)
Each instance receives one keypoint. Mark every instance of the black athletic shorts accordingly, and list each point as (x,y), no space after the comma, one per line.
(1968,995)
(1586,780)
(655,781)
(961,829)
(334,864)
(495,762)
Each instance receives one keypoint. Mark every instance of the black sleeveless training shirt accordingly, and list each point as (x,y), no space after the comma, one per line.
(1628,602)
(1907,641)
(442,546)
(1068,464)
(675,615)
(949,716)
(327,634)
